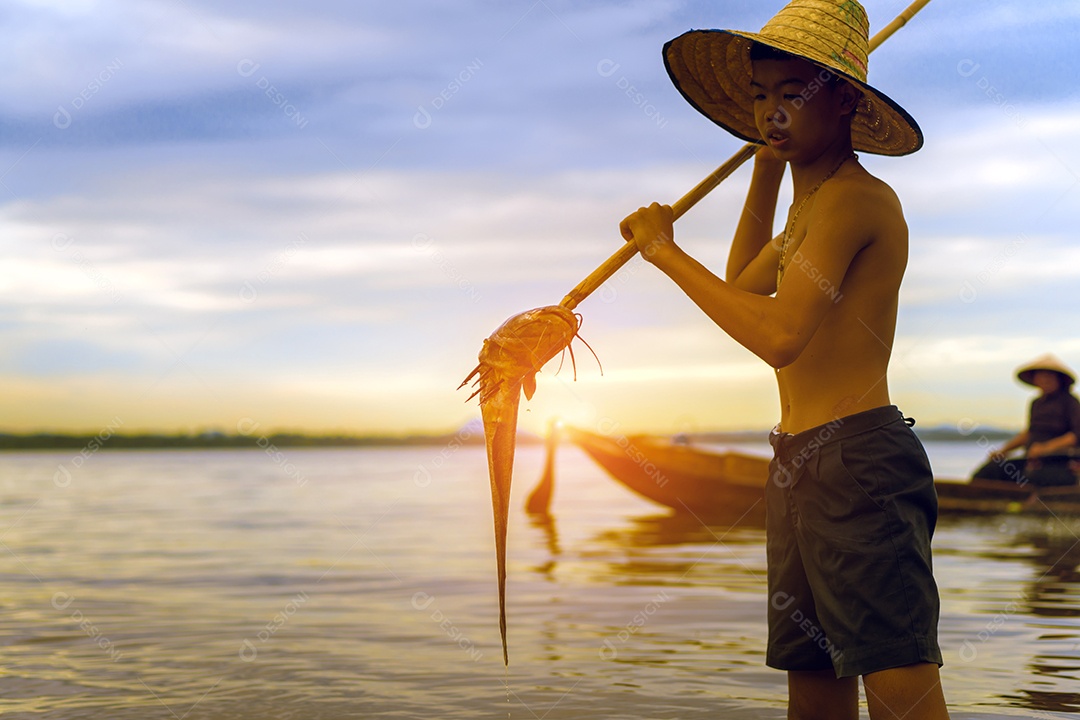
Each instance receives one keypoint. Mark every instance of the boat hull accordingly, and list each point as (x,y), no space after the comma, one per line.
(712,484)
(684,478)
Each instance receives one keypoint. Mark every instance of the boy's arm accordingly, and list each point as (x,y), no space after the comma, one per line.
(754,253)
(776,329)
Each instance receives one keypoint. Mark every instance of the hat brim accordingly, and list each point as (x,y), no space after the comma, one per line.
(1027,376)
(1049,362)
(712,70)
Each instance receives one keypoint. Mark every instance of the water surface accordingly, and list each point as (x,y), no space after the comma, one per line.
(361,583)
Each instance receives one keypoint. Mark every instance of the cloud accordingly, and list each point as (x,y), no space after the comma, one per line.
(316,214)
(345,275)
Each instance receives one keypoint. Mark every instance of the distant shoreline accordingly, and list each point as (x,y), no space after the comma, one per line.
(160,441)
(466,436)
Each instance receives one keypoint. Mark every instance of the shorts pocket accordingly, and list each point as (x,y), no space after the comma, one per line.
(845,506)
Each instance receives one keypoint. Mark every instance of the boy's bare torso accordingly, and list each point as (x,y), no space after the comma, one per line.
(828,325)
(842,370)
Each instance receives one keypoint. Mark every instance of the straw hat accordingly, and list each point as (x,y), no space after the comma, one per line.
(712,69)
(1045,362)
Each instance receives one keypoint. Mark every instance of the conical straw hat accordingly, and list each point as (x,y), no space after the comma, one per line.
(712,70)
(1045,362)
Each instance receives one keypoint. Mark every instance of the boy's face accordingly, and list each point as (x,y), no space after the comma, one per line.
(798,108)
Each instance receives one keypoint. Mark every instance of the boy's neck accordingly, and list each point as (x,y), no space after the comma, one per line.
(805,175)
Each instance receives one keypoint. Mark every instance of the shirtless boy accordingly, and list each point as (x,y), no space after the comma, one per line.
(851,504)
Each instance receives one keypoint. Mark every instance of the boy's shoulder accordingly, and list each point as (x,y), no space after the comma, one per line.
(857,209)
(860,194)
(861,184)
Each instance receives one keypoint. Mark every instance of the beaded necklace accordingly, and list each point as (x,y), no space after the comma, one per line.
(791,226)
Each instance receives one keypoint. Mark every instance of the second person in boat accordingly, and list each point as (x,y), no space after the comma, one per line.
(1049,442)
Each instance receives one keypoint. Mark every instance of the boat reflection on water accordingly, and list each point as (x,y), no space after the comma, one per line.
(545,523)
(1052,600)
(1010,605)
(674,529)
(1057,555)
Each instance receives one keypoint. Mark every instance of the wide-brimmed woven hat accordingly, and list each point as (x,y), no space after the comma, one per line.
(712,70)
(1046,362)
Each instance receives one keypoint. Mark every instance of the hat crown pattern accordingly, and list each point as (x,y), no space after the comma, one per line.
(830,33)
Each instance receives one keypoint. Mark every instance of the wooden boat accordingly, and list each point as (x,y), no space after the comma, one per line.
(685,478)
(1003,496)
(709,483)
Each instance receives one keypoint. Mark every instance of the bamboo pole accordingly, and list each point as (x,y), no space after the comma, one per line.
(624,254)
(898,22)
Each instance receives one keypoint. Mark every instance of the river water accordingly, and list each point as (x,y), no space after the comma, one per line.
(360,583)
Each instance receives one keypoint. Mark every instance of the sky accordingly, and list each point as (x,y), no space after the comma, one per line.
(250,216)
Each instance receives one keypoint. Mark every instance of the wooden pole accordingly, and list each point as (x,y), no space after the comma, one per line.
(624,254)
(898,22)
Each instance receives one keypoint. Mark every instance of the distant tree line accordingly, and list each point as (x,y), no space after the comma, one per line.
(150,441)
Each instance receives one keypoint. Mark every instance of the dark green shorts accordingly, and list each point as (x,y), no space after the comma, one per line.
(851,508)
